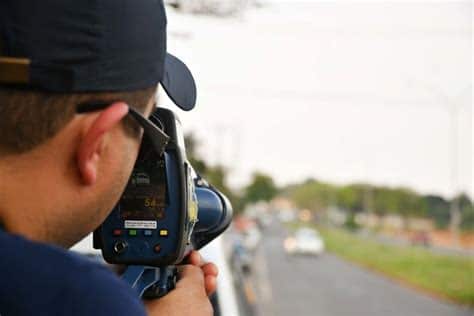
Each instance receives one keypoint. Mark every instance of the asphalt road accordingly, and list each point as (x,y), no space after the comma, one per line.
(329,286)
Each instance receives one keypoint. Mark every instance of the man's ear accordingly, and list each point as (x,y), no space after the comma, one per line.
(90,147)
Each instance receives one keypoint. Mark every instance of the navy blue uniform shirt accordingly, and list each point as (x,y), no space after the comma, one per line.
(39,279)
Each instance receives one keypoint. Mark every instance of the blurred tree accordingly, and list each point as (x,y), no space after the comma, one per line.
(351,197)
(313,195)
(261,188)
(438,210)
(350,223)
(467,212)
(401,201)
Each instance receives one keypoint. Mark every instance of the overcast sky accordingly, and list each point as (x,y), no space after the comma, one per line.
(343,92)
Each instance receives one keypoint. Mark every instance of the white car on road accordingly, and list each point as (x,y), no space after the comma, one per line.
(304,241)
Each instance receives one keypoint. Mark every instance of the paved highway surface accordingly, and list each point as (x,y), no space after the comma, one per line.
(328,286)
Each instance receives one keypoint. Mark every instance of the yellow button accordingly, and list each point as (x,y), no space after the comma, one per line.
(163,232)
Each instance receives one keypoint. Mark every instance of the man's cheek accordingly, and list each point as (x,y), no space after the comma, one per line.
(121,169)
(124,171)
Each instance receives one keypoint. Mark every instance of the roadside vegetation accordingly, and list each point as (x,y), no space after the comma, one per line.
(355,198)
(447,276)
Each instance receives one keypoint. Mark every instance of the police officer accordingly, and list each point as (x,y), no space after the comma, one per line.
(61,172)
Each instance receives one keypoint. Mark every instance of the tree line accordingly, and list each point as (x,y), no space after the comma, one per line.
(381,200)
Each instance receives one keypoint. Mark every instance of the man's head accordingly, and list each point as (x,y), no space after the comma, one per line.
(29,117)
(62,172)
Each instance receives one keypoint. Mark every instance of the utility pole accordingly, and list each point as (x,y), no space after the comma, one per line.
(451,104)
(454,211)
(368,199)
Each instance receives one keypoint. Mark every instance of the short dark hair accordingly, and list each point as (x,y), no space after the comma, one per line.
(30,117)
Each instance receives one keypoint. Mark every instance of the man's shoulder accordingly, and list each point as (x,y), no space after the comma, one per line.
(57,281)
(38,260)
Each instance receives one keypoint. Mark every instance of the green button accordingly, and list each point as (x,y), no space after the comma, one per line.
(132,232)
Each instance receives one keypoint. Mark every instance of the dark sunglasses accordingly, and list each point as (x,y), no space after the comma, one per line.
(155,134)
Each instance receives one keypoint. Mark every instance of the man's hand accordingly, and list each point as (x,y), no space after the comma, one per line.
(197,280)
(209,269)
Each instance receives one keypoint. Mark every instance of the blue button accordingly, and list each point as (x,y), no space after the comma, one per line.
(147,232)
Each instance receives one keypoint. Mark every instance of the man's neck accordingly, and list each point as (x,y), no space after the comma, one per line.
(26,194)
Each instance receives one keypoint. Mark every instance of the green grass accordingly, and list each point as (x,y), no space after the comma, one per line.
(451,277)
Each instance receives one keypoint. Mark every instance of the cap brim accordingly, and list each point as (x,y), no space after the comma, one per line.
(178,83)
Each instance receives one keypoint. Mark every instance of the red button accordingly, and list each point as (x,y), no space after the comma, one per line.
(157,248)
(117,232)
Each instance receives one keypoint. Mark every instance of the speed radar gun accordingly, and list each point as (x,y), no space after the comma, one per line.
(166,211)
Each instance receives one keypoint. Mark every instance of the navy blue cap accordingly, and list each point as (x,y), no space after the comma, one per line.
(90,46)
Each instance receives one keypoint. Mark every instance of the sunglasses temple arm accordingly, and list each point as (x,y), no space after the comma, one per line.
(153,132)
